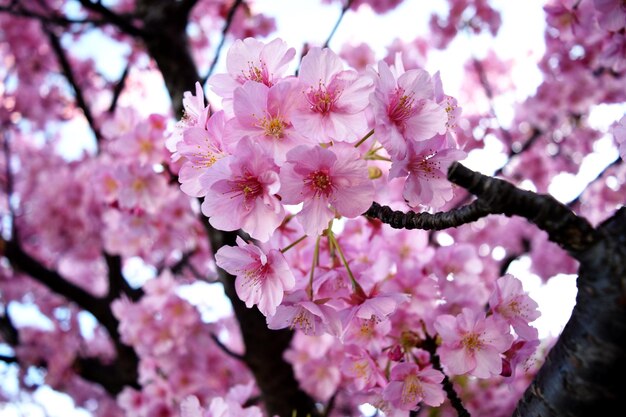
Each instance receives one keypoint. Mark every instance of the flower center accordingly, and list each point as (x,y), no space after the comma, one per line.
(256,73)
(274,126)
(472,342)
(411,390)
(320,183)
(321,100)
(248,187)
(401,106)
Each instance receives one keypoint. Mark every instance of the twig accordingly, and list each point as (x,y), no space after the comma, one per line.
(344,9)
(71,79)
(119,87)
(226,350)
(229,20)
(123,23)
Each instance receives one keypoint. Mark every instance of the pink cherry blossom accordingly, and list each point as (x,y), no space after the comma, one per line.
(426,167)
(264,114)
(310,317)
(261,278)
(619,133)
(611,14)
(333,101)
(472,344)
(195,114)
(252,60)
(514,305)
(329,181)
(241,192)
(200,147)
(359,365)
(404,108)
(409,385)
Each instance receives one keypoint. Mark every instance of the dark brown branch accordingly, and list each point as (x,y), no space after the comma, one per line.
(114,377)
(279,388)
(22,261)
(66,67)
(19,10)
(427,221)
(117,283)
(584,372)
(218,51)
(166,40)
(571,232)
(119,87)
(430,346)
(8,331)
(225,349)
(8,359)
(121,21)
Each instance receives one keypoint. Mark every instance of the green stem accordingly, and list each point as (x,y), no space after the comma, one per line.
(291,245)
(364,138)
(316,254)
(355,285)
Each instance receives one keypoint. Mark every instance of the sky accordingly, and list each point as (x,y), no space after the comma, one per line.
(521,38)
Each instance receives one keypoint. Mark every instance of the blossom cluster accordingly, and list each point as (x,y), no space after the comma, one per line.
(294,161)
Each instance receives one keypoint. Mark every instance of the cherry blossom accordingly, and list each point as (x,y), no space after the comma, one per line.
(241,192)
(329,181)
(472,344)
(262,277)
(409,385)
(404,108)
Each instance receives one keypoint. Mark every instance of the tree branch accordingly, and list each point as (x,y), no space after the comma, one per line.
(117,283)
(344,9)
(119,87)
(229,20)
(564,227)
(66,67)
(122,22)
(427,221)
(583,373)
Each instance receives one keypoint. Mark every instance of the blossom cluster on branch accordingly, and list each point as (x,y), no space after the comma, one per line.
(289,157)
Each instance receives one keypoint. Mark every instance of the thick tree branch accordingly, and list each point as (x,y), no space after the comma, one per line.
(584,372)
(117,283)
(280,391)
(127,360)
(427,221)
(571,232)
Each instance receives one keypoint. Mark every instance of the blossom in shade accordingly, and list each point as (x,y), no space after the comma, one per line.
(328,181)
(404,108)
(509,300)
(311,317)
(261,278)
(359,365)
(241,192)
(333,101)
(426,167)
(201,146)
(619,132)
(195,114)
(472,344)
(409,385)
